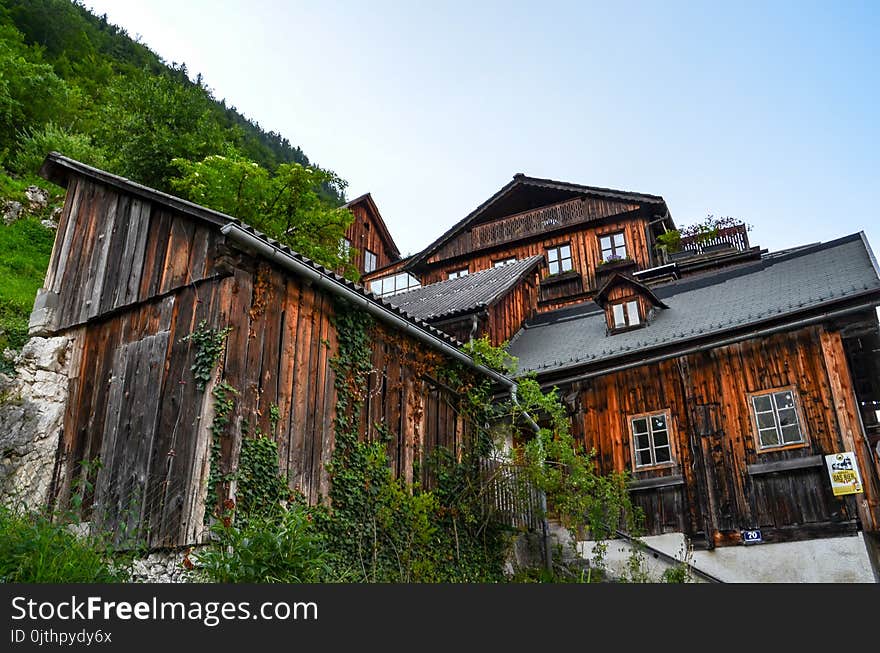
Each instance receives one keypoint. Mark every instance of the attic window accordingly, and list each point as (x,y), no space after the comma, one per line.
(505,261)
(369,261)
(455,274)
(627,303)
(626,314)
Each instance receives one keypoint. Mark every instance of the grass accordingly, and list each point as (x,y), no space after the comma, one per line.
(25,247)
(34,548)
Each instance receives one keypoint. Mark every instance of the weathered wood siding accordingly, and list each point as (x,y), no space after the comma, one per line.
(719,482)
(364,233)
(585,252)
(507,315)
(512,228)
(134,404)
(114,250)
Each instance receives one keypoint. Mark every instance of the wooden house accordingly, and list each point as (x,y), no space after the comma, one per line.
(720,376)
(723,394)
(367,237)
(134,273)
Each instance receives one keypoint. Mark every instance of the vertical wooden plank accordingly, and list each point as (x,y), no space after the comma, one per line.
(849,427)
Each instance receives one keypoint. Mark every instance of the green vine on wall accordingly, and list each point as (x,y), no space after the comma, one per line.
(209,344)
(224,403)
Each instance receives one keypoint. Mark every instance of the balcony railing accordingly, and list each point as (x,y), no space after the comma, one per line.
(736,237)
(529,223)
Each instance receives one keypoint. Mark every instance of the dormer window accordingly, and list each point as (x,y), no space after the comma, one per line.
(626,314)
(628,304)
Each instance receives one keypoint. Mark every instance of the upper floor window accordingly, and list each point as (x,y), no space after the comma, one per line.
(369,261)
(776,418)
(455,274)
(504,261)
(613,246)
(651,445)
(559,259)
(344,248)
(626,314)
(393,284)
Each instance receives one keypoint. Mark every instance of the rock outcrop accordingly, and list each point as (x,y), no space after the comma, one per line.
(32,405)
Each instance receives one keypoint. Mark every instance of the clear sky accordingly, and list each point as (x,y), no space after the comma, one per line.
(767,112)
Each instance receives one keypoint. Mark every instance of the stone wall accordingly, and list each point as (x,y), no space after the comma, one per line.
(164,567)
(32,405)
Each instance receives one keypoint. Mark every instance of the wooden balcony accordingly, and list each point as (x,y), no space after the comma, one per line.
(528,224)
(547,218)
(735,237)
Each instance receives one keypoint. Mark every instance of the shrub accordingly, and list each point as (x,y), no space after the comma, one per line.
(37,143)
(280,548)
(37,548)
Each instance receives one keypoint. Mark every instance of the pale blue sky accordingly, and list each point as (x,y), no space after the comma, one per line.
(766,112)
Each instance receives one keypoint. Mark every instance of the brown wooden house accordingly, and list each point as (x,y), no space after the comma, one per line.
(133,274)
(367,237)
(720,375)
(722,394)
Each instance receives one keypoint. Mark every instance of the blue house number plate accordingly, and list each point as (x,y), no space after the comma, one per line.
(752,537)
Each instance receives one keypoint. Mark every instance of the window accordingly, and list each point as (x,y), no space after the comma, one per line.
(369,261)
(455,274)
(559,259)
(393,284)
(498,264)
(344,248)
(776,418)
(613,246)
(626,314)
(651,440)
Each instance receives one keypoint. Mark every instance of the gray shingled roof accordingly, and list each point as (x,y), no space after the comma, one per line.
(768,289)
(464,294)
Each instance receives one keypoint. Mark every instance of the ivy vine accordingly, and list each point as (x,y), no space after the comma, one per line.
(209,344)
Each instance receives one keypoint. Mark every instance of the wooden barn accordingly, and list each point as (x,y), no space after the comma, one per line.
(134,275)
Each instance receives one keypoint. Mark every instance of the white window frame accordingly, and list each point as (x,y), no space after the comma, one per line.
(629,312)
(393,284)
(650,433)
(555,257)
(455,274)
(367,257)
(498,264)
(613,248)
(778,426)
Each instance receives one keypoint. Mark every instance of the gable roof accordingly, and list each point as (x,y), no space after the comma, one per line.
(58,168)
(618,279)
(776,289)
(367,200)
(465,294)
(559,190)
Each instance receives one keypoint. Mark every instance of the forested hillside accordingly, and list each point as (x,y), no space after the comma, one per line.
(72,82)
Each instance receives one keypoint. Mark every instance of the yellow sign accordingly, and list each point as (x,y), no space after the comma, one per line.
(844,473)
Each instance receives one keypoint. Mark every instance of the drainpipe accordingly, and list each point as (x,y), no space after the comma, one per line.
(389,316)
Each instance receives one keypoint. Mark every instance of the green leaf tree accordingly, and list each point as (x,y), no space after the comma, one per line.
(287,205)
